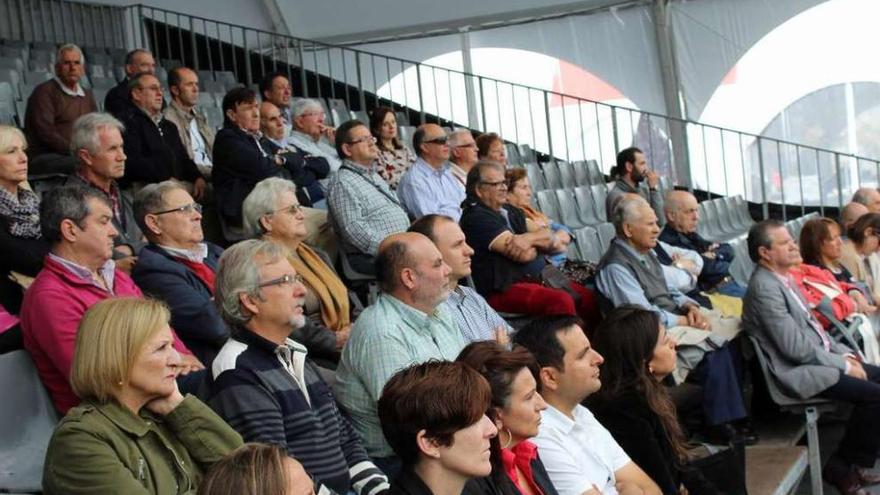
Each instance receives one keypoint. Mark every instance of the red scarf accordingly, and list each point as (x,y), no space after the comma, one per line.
(201,270)
(521,456)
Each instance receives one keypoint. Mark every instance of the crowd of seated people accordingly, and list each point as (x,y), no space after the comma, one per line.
(167,350)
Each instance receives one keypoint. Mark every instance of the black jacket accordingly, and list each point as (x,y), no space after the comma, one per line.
(117,102)
(239,164)
(305,171)
(155,153)
(409,483)
(498,483)
(21,255)
(640,433)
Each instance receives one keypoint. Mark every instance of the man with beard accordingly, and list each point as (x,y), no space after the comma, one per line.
(632,169)
(407,325)
(263,384)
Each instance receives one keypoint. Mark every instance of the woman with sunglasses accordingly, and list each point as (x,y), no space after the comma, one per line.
(272,213)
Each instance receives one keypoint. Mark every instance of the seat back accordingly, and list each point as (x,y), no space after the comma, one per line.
(581,173)
(568,209)
(606,235)
(536,177)
(584,197)
(513,156)
(588,244)
(594,172)
(547,203)
(527,153)
(566,174)
(779,397)
(600,194)
(551,175)
(26,424)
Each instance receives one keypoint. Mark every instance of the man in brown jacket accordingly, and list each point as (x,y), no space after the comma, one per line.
(51,111)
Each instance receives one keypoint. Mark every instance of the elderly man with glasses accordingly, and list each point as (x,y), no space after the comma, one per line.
(178,266)
(429,187)
(310,134)
(266,387)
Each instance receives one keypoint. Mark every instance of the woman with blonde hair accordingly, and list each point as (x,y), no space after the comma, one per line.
(133,432)
(257,469)
(22,247)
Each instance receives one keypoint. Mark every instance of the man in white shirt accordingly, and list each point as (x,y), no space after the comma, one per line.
(577,451)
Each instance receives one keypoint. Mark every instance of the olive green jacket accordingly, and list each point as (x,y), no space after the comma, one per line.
(106,449)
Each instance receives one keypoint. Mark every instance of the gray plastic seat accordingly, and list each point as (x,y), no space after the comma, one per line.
(402,118)
(36,76)
(606,235)
(547,203)
(27,424)
(594,172)
(404,134)
(587,239)
(551,176)
(740,212)
(584,197)
(527,153)
(338,104)
(204,75)
(226,77)
(513,156)
(568,209)
(536,177)
(360,115)
(712,226)
(600,194)
(206,100)
(566,174)
(727,227)
(581,173)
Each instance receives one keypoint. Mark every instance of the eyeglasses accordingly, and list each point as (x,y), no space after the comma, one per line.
(437,140)
(495,185)
(292,209)
(365,139)
(284,280)
(192,207)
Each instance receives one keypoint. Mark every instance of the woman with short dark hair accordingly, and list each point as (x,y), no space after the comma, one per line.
(434,417)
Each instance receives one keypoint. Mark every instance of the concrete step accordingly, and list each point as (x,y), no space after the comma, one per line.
(774,469)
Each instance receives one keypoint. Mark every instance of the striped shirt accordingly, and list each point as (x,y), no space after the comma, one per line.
(273,394)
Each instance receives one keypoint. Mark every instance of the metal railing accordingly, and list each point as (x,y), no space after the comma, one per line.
(708,158)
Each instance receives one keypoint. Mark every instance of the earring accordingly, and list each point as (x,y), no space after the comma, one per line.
(509,438)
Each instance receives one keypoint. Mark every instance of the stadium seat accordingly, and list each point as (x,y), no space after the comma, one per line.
(36,77)
(207,100)
(527,153)
(606,235)
(594,172)
(402,118)
(584,197)
(566,174)
(536,177)
(547,204)
(581,173)
(338,104)
(14,63)
(26,424)
(600,193)
(552,180)
(568,209)
(513,156)
(405,134)
(204,75)
(741,209)
(360,115)
(214,116)
(588,244)
(226,77)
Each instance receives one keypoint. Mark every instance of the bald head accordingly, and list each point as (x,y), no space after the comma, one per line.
(682,212)
(869,197)
(850,213)
(410,267)
(271,123)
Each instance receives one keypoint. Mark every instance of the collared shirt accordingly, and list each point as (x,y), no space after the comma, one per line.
(292,357)
(106,272)
(317,148)
(617,283)
(387,337)
(579,452)
(196,255)
(70,92)
(363,209)
(113,194)
(476,319)
(458,173)
(197,144)
(424,190)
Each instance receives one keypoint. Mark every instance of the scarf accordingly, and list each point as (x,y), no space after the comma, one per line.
(23,213)
(521,456)
(335,311)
